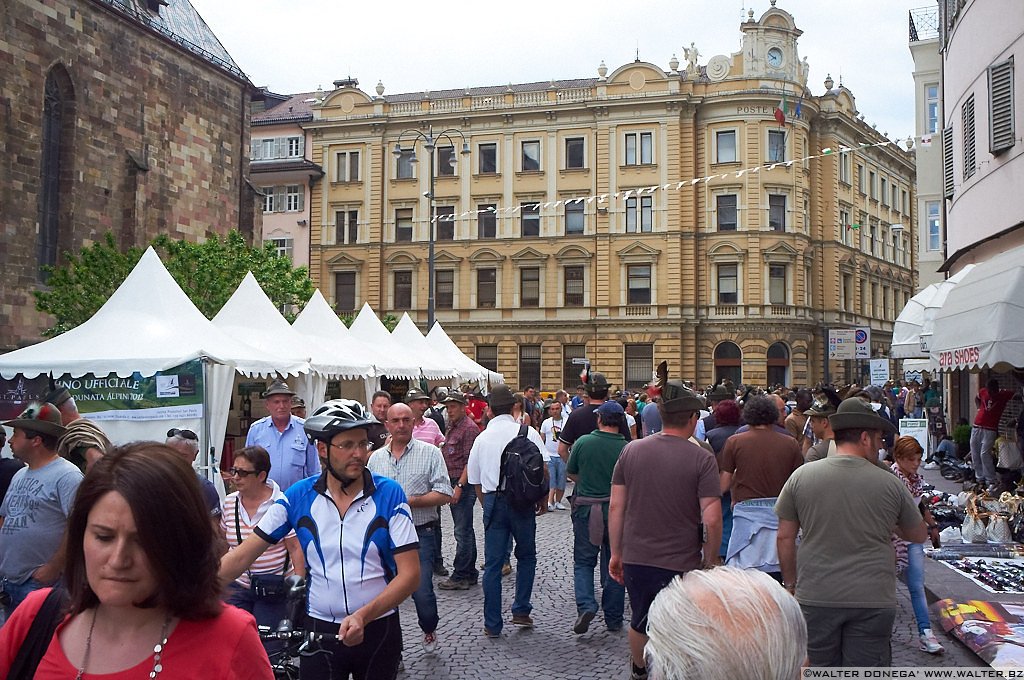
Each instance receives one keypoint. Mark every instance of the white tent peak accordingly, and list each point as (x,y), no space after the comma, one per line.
(165,327)
(248,306)
(318,318)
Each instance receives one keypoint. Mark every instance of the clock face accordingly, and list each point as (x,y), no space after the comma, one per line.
(775,57)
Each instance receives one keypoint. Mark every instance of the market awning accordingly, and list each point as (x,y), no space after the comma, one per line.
(931,309)
(906,332)
(981,322)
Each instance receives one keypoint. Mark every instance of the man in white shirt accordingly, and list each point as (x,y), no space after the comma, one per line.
(501,520)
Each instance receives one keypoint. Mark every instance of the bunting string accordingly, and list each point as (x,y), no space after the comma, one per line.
(925,140)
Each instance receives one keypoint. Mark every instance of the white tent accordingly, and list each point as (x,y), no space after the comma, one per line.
(468,369)
(249,315)
(317,320)
(150,325)
(906,332)
(980,322)
(369,329)
(407,335)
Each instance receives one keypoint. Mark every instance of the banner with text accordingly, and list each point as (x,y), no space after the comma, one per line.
(174,394)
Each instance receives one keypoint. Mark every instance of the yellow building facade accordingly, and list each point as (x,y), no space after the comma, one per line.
(640,216)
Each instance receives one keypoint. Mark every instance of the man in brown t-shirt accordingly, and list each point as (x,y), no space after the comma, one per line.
(757,463)
(665,507)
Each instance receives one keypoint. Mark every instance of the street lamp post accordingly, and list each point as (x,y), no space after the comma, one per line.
(430,146)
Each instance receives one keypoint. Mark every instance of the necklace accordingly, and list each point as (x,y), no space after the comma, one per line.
(158,648)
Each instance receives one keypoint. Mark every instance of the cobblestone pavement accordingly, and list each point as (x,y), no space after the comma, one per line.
(551,650)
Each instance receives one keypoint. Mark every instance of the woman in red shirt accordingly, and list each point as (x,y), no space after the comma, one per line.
(141,575)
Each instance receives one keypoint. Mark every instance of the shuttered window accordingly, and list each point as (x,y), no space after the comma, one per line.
(1000,93)
(947,162)
(967,121)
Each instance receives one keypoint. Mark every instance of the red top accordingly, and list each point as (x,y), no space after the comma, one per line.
(475,407)
(226,647)
(991,408)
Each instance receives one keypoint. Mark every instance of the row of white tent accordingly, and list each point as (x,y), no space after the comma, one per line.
(149,325)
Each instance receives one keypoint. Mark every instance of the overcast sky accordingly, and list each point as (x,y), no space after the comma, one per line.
(298,45)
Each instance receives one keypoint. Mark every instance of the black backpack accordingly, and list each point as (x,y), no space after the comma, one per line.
(522,472)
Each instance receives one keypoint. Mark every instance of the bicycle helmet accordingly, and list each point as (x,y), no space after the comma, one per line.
(336,416)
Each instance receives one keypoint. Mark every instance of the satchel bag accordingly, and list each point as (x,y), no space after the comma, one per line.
(263,586)
(39,635)
(999,530)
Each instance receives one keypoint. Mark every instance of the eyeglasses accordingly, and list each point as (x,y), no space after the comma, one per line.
(239,472)
(349,447)
(184,434)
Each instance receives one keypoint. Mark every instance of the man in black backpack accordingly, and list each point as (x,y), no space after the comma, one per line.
(501,518)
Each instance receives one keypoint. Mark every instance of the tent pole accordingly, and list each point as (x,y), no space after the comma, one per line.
(207,454)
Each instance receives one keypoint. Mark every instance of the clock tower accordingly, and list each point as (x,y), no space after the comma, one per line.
(769,47)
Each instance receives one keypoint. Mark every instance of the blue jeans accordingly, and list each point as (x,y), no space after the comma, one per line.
(268,611)
(584,556)
(981,454)
(914,577)
(18,592)
(464,567)
(500,522)
(424,598)
(556,470)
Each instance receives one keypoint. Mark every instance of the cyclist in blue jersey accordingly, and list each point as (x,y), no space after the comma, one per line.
(360,544)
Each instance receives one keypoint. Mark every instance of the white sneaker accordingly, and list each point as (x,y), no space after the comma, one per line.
(559,506)
(429,643)
(929,643)
(931,466)
(551,507)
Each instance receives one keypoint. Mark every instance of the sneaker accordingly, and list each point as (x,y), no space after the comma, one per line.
(929,643)
(614,627)
(491,634)
(454,584)
(522,620)
(931,466)
(506,569)
(583,623)
(439,570)
(429,643)
(551,507)
(559,506)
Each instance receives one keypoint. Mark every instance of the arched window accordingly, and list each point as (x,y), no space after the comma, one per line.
(778,364)
(728,363)
(58,126)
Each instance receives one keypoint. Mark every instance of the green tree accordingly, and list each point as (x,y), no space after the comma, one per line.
(389,320)
(208,272)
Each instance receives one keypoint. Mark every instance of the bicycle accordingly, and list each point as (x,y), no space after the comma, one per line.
(297,641)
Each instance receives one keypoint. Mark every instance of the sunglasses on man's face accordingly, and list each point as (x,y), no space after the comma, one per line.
(184,434)
(239,472)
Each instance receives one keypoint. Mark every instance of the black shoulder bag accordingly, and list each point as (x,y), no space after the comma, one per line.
(39,634)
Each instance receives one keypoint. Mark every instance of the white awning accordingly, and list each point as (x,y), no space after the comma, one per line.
(981,322)
(906,332)
(931,309)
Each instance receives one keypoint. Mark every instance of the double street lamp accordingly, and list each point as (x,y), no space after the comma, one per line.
(430,145)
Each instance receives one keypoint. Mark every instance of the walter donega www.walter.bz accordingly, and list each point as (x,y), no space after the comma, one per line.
(912,673)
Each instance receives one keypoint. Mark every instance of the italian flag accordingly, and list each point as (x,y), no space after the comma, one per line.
(780,110)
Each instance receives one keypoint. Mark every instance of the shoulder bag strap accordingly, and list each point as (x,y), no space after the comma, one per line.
(38,637)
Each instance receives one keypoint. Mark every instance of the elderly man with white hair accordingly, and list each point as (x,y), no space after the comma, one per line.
(186,443)
(728,624)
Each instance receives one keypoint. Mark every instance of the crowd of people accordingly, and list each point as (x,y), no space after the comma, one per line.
(127,548)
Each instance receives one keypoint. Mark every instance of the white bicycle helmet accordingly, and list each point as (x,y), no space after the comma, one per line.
(336,416)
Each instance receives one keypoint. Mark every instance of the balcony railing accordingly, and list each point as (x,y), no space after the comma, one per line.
(638,310)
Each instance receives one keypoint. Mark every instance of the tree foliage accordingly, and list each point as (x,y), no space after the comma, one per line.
(208,272)
(389,320)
